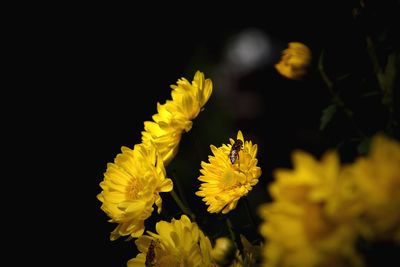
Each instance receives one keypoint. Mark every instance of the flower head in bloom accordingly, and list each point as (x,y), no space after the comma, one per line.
(231,173)
(298,227)
(377,179)
(175,116)
(294,61)
(178,243)
(131,187)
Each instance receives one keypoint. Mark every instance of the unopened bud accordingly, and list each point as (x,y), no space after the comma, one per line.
(224,251)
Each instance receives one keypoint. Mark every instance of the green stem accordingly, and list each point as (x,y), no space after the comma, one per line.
(252,219)
(230,228)
(325,77)
(249,213)
(335,98)
(179,188)
(182,206)
(375,64)
(197,146)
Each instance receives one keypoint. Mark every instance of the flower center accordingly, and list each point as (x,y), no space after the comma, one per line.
(133,189)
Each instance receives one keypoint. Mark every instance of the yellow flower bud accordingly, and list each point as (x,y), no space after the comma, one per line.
(224,251)
(294,61)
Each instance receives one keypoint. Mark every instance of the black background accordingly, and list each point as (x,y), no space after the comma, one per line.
(96,73)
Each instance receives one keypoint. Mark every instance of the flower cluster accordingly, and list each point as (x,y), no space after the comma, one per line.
(133,183)
(320,208)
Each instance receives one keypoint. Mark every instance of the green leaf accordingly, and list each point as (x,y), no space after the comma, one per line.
(363,147)
(389,78)
(327,115)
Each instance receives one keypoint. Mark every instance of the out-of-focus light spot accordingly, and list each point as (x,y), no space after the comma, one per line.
(247,50)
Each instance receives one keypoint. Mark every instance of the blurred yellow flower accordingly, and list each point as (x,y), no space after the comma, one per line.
(178,243)
(298,228)
(176,115)
(377,179)
(294,61)
(131,187)
(224,182)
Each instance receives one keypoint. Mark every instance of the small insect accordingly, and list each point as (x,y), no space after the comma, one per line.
(234,153)
(151,255)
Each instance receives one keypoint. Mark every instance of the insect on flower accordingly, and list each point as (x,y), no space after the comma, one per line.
(234,153)
(151,255)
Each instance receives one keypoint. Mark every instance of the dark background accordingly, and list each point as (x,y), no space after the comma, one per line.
(99,71)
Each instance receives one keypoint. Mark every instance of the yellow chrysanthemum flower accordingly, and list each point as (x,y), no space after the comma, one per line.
(294,61)
(298,228)
(226,182)
(131,187)
(176,115)
(377,178)
(178,243)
